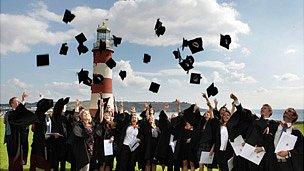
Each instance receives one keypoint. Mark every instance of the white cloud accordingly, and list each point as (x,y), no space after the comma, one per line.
(287,77)
(132,79)
(211,64)
(217,77)
(290,51)
(262,90)
(18,84)
(236,77)
(245,51)
(233,66)
(17,36)
(133,20)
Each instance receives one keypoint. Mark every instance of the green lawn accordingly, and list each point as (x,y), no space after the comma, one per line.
(3,154)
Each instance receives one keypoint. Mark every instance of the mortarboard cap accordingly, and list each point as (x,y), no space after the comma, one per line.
(68,16)
(159,28)
(225,41)
(122,74)
(43,60)
(187,63)
(102,45)
(44,105)
(80,38)
(97,78)
(83,76)
(147,58)
(116,40)
(154,87)
(64,49)
(82,49)
(177,54)
(195,78)
(211,90)
(195,45)
(111,63)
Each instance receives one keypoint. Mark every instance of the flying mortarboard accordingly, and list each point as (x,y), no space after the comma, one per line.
(147,58)
(154,87)
(195,45)
(80,38)
(43,60)
(211,90)
(68,16)
(159,28)
(82,49)
(116,40)
(97,78)
(64,49)
(225,41)
(83,76)
(187,63)
(122,74)
(177,54)
(195,78)
(111,63)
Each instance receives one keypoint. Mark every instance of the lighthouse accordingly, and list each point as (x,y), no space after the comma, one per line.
(100,57)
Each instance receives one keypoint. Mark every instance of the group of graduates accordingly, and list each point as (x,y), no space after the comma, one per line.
(175,141)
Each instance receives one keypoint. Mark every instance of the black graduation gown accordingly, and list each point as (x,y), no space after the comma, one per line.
(79,147)
(102,132)
(296,160)
(142,134)
(218,158)
(152,142)
(163,150)
(18,119)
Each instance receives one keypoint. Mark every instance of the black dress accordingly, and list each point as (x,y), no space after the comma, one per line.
(102,132)
(152,137)
(163,149)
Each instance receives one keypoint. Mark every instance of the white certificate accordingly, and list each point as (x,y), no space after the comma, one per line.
(249,154)
(237,145)
(108,147)
(286,142)
(133,145)
(230,164)
(206,158)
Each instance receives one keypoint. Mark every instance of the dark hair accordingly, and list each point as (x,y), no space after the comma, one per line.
(10,102)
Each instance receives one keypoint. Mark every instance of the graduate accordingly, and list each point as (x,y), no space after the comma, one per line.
(164,152)
(122,120)
(57,144)
(187,154)
(152,137)
(104,130)
(39,152)
(204,140)
(18,119)
(131,134)
(222,148)
(255,131)
(288,160)
(83,142)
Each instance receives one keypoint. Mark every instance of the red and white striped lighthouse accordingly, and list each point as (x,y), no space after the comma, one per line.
(99,67)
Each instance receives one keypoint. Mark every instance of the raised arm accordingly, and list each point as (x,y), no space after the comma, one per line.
(23,97)
(178,108)
(207,100)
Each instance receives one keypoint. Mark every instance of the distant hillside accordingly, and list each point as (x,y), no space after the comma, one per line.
(127,105)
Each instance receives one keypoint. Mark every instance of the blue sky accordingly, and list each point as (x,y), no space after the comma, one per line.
(264,65)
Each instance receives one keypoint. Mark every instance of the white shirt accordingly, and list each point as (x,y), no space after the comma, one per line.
(224,138)
(278,136)
(131,134)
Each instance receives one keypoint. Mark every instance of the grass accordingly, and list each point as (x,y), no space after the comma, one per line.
(3,153)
